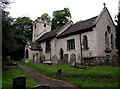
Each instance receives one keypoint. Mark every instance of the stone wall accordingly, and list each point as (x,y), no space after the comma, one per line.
(100,29)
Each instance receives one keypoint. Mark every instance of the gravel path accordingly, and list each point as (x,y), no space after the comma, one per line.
(53,83)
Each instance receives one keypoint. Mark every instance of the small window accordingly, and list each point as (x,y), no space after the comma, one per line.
(35,26)
(70,44)
(108,29)
(85,42)
(44,25)
(48,46)
(112,42)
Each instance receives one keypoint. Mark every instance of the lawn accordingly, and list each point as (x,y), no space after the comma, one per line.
(7,78)
(100,76)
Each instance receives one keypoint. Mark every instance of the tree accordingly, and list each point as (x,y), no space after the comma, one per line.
(8,43)
(60,17)
(118,35)
(23,33)
(79,21)
(15,33)
(45,16)
(23,27)
(4,4)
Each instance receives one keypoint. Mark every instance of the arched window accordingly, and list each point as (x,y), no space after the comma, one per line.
(108,29)
(35,26)
(61,53)
(107,45)
(85,42)
(27,54)
(44,25)
(112,42)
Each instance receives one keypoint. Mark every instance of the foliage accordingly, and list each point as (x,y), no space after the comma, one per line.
(79,21)
(60,17)
(100,76)
(8,43)
(22,33)
(23,27)
(45,16)
(15,34)
(118,35)
(4,4)
(9,75)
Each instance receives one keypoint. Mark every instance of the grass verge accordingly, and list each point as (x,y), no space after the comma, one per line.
(100,76)
(7,78)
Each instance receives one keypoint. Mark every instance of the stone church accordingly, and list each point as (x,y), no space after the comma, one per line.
(90,41)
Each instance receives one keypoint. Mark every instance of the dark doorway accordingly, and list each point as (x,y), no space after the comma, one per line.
(61,53)
(27,53)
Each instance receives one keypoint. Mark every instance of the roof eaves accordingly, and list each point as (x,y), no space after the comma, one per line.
(74,33)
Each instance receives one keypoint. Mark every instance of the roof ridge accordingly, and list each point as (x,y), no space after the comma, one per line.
(99,16)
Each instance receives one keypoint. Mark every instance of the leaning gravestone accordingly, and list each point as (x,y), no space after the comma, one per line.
(65,58)
(42,58)
(72,59)
(19,83)
(42,86)
(54,60)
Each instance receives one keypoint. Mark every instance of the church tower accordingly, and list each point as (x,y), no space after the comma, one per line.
(40,27)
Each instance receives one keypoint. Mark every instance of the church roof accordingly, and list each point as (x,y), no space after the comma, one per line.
(83,26)
(79,27)
(36,46)
(49,35)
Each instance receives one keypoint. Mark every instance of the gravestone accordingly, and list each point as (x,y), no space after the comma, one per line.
(8,57)
(35,58)
(59,72)
(42,86)
(26,60)
(73,59)
(65,58)
(19,83)
(54,60)
(42,58)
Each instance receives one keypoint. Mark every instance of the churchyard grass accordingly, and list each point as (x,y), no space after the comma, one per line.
(7,78)
(99,76)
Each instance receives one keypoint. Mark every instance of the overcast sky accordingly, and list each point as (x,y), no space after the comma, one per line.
(80,9)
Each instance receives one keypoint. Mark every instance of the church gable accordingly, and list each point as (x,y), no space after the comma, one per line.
(105,33)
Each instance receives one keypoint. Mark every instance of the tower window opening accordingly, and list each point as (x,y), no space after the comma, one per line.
(44,25)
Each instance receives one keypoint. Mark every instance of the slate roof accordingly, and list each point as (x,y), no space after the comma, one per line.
(79,27)
(49,35)
(36,46)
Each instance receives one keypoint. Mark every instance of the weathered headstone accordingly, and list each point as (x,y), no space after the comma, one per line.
(54,60)
(42,58)
(26,60)
(19,83)
(65,58)
(42,86)
(72,59)
(8,57)
(35,58)
(59,72)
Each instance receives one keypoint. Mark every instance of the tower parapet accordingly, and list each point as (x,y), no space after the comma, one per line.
(40,27)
